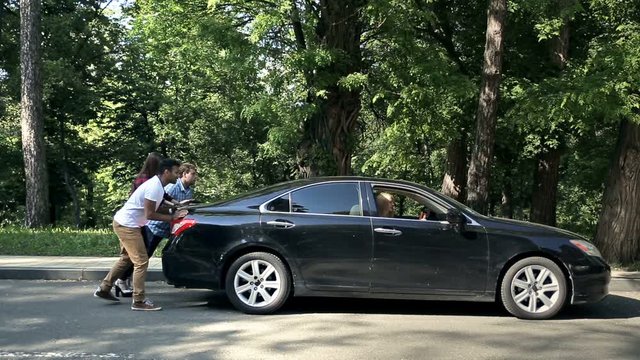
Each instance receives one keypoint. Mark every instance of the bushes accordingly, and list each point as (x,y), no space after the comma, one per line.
(58,242)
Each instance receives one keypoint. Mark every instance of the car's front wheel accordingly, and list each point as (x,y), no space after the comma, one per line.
(258,283)
(534,288)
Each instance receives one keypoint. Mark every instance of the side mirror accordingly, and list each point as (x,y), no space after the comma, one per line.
(456,218)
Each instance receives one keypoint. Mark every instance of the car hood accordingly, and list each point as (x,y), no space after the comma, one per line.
(525,226)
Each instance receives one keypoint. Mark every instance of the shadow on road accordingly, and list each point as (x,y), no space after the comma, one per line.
(43,318)
(612,307)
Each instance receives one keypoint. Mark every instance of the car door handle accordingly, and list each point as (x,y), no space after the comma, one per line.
(284,224)
(392,232)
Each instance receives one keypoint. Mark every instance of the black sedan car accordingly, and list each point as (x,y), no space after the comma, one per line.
(375,238)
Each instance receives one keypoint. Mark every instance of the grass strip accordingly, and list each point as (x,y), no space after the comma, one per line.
(58,242)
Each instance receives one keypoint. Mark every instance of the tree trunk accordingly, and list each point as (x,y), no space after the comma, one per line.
(343,108)
(486,116)
(454,182)
(560,43)
(545,188)
(331,130)
(68,183)
(73,192)
(32,122)
(90,213)
(618,231)
(506,203)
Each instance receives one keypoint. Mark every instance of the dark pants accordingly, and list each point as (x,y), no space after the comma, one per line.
(151,242)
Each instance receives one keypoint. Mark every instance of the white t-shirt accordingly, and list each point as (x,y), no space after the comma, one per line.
(132,213)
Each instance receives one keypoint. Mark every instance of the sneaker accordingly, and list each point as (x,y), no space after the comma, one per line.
(106,295)
(146,305)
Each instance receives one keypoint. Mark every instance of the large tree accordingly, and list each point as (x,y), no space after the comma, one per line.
(547,169)
(316,46)
(615,64)
(32,123)
(338,31)
(487,113)
(618,231)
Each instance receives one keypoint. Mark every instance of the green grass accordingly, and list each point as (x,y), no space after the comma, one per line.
(58,242)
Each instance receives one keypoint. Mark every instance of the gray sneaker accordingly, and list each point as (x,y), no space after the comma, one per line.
(146,305)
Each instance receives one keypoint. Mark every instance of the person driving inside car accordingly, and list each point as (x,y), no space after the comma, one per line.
(425,212)
(384,202)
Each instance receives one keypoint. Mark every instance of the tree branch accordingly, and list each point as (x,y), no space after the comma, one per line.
(297,26)
(9,10)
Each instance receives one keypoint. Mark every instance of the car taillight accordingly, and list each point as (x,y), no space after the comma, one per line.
(178,226)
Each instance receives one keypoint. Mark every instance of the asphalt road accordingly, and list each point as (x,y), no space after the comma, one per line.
(61,319)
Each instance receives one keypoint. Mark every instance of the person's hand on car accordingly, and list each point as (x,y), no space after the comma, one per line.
(180,214)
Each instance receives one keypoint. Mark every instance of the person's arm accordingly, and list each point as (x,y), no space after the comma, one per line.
(170,195)
(151,214)
(174,191)
(165,208)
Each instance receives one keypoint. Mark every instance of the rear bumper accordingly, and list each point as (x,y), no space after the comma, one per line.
(188,270)
(590,284)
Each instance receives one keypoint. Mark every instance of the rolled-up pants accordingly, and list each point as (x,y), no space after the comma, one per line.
(132,251)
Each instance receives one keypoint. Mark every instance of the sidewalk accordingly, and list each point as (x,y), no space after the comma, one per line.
(66,268)
(96,268)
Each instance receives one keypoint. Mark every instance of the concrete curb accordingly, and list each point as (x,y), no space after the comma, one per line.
(624,284)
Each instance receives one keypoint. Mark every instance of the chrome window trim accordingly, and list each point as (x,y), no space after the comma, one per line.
(263,207)
(263,210)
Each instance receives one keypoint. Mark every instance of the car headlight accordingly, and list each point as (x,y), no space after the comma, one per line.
(586,247)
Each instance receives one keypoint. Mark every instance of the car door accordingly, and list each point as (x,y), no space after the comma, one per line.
(324,229)
(428,257)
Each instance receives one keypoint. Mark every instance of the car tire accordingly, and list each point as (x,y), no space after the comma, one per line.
(258,283)
(534,288)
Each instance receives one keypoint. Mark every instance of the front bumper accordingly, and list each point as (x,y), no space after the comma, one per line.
(590,283)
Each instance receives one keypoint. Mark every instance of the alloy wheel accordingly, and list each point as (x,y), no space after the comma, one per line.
(535,289)
(257,283)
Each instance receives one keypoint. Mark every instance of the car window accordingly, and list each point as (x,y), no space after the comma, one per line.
(280,204)
(334,199)
(404,204)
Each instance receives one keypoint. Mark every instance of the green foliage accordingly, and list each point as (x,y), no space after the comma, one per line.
(12,191)
(228,86)
(58,242)
(417,97)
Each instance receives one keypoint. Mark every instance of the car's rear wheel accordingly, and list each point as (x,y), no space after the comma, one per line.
(534,288)
(258,283)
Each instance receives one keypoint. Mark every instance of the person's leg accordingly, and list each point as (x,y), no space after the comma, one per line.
(148,236)
(133,243)
(153,245)
(121,265)
(127,273)
(126,276)
(138,255)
